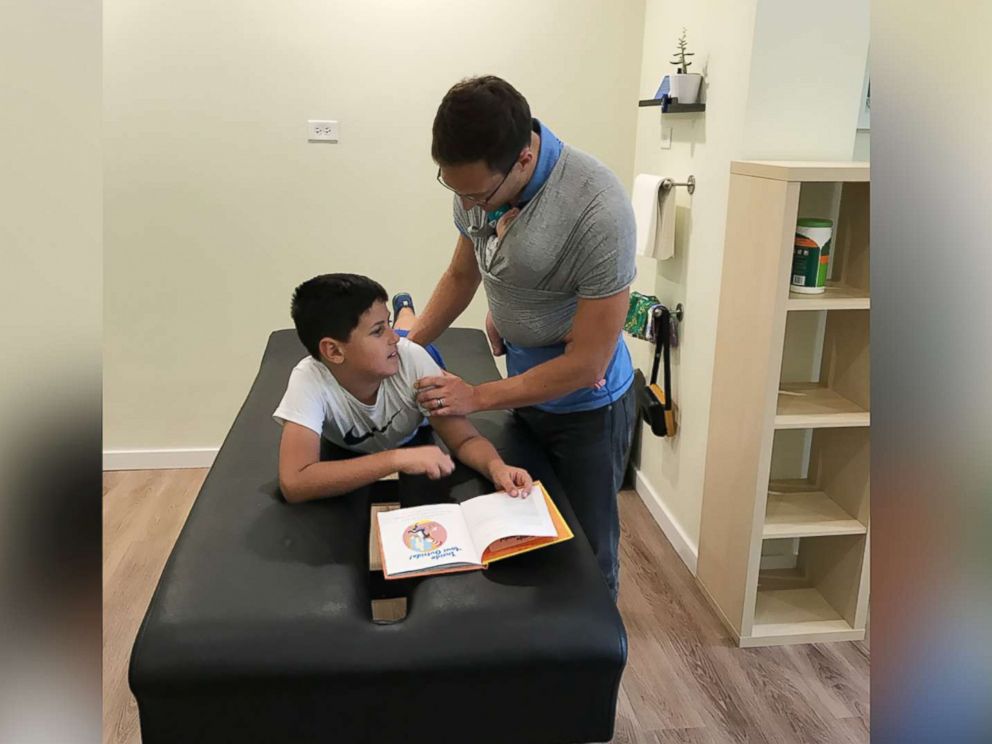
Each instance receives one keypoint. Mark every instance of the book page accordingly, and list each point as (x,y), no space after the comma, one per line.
(508,547)
(496,516)
(425,538)
(375,555)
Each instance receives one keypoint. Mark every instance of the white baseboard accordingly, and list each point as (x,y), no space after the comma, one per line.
(687,549)
(160,459)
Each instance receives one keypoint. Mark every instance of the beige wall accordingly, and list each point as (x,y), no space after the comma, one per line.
(721,34)
(216,206)
(862,145)
(806,77)
(766,62)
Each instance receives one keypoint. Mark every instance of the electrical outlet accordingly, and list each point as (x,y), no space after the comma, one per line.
(322,131)
(666,138)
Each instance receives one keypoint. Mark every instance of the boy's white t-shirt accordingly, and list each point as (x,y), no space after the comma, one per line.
(316,400)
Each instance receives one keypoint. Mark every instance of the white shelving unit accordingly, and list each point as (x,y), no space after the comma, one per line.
(760,404)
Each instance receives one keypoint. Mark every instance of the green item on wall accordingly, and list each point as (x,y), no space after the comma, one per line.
(638,312)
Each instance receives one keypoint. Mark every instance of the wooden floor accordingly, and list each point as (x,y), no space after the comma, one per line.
(684,682)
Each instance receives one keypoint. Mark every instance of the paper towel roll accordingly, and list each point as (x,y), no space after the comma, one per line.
(654,213)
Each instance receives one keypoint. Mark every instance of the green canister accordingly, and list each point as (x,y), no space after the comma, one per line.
(811,255)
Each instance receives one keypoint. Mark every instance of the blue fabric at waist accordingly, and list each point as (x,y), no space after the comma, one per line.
(619,376)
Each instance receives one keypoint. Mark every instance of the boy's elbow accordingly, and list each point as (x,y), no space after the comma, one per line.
(291,491)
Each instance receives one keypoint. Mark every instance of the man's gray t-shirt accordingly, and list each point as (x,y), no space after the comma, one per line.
(574,239)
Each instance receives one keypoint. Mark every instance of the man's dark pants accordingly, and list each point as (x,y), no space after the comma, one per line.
(588,451)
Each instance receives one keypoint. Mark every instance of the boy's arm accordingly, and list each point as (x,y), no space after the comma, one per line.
(469,446)
(303,477)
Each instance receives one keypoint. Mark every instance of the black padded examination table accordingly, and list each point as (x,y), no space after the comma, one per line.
(260,629)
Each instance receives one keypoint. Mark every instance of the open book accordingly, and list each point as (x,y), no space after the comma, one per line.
(444,538)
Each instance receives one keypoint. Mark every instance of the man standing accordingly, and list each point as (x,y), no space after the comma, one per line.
(557,281)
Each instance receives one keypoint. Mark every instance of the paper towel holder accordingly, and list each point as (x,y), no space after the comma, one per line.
(690,184)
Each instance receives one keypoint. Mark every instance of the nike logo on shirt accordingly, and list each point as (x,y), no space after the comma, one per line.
(351,439)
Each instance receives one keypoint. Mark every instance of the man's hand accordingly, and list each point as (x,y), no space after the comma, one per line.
(495,340)
(515,481)
(448,395)
(429,460)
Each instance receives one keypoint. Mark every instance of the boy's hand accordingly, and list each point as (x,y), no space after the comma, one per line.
(428,460)
(515,481)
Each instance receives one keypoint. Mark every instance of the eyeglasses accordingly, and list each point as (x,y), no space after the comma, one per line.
(474,199)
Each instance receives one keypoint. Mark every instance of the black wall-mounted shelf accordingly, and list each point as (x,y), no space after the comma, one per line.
(673,107)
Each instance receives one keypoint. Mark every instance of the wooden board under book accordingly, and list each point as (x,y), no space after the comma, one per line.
(387,611)
(375,555)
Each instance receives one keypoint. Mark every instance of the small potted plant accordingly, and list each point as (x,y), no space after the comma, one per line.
(684,84)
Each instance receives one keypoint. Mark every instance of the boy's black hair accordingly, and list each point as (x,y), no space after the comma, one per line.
(481,118)
(329,306)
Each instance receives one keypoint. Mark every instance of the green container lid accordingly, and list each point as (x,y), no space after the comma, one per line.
(814,222)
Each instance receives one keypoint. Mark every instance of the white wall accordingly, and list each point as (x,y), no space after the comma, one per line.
(216,206)
(783,81)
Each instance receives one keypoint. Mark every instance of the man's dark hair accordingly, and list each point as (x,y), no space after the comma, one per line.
(482,118)
(329,306)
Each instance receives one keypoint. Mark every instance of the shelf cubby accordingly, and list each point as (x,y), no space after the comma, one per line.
(820,599)
(788,441)
(819,484)
(824,373)
(848,280)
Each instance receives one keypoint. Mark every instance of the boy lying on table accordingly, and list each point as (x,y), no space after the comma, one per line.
(356,389)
